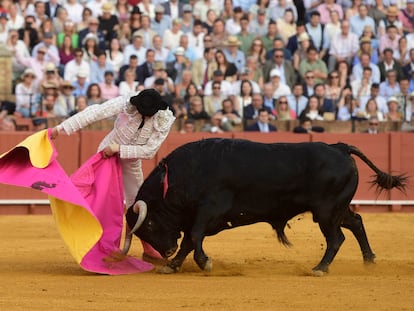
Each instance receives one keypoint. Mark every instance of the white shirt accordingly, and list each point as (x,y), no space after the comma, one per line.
(72,68)
(171,40)
(130,49)
(282,90)
(226,88)
(344,46)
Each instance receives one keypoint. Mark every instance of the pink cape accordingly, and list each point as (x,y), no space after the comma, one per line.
(88,206)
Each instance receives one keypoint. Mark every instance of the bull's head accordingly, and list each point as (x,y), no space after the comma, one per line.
(152,228)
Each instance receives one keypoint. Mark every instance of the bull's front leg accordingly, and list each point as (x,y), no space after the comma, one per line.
(175,264)
(200,257)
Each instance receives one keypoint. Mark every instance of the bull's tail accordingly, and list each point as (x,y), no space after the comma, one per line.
(382,180)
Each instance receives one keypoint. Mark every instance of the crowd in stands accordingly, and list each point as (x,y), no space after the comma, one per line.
(230,63)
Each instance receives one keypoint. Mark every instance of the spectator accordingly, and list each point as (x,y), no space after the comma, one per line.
(313,64)
(161,22)
(108,22)
(124,35)
(371,110)
(406,17)
(174,8)
(380,100)
(332,88)
(390,87)
(226,86)
(179,110)
(108,88)
(408,69)
(51,75)
(7,124)
(132,64)
(297,101)
(176,68)
(309,84)
(188,20)
(245,98)
(391,19)
(282,110)
(393,113)
(147,8)
(115,56)
(202,69)
(325,8)
(181,86)
(66,53)
(312,109)
(16,19)
(52,8)
(52,53)
(122,9)
(209,22)
(403,97)
(28,34)
(292,43)
(25,92)
(286,25)
(246,38)
(402,53)
(362,87)
(259,24)
(81,104)
(74,66)
(90,48)
(251,111)
(245,75)
(16,46)
(189,52)
(146,69)
(134,23)
(343,47)
(357,70)
(268,100)
(81,83)
(66,100)
(76,13)
(37,63)
(254,71)
(160,72)
(159,85)
(99,67)
(257,53)
(171,37)
(359,21)
(224,65)
(228,116)
(161,53)
(347,106)
(365,47)
(285,68)
(93,28)
(94,94)
(316,31)
(280,89)
(305,126)
(196,110)
(146,32)
(48,107)
(129,87)
(188,127)
(332,29)
(262,125)
(389,63)
(232,25)
(190,92)
(372,126)
(196,38)
(270,36)
(301,52)
(135,48)
(389,40)
(202,7)
(219,34)
(213,102)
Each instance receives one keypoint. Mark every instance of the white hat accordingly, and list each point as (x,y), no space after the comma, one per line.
(392,99)
(275,73)
(179,51)
(82,73)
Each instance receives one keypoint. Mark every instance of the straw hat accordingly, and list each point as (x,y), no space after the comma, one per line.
(232,41)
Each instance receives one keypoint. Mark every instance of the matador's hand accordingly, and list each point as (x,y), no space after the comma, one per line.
(55,133)
(110,150)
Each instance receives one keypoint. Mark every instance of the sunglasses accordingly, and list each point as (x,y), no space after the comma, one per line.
(278,56)
(283,102)
(373,123)
(216,88)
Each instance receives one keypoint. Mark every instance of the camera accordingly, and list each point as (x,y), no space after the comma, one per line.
(28,26)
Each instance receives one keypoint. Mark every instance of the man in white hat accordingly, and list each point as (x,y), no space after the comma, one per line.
(280,89)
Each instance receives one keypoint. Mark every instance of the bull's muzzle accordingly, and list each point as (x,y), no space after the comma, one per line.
(140,208)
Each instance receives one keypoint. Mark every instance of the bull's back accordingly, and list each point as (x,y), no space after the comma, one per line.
(241,164)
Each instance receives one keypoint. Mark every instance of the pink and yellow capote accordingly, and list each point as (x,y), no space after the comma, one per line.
(88,206)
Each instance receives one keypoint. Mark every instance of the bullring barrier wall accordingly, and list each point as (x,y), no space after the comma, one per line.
(391,152)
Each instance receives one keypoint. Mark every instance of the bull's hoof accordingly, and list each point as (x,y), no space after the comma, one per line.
(369,258)
(318,273)
(208,266)
(166,270)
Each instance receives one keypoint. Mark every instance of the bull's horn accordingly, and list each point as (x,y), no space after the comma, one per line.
(140,207)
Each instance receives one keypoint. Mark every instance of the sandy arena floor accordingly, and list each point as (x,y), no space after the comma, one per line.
(251,271)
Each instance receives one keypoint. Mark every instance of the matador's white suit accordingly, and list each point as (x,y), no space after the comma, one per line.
(135,143)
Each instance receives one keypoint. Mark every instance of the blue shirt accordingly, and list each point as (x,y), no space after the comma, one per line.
(161,26)
(239,60)
(358,24)
(97,73)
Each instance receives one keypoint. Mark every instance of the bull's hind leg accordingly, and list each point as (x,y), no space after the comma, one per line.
(175,264)
(334,239)
(353,222)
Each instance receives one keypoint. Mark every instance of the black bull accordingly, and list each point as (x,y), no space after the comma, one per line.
(204,187)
